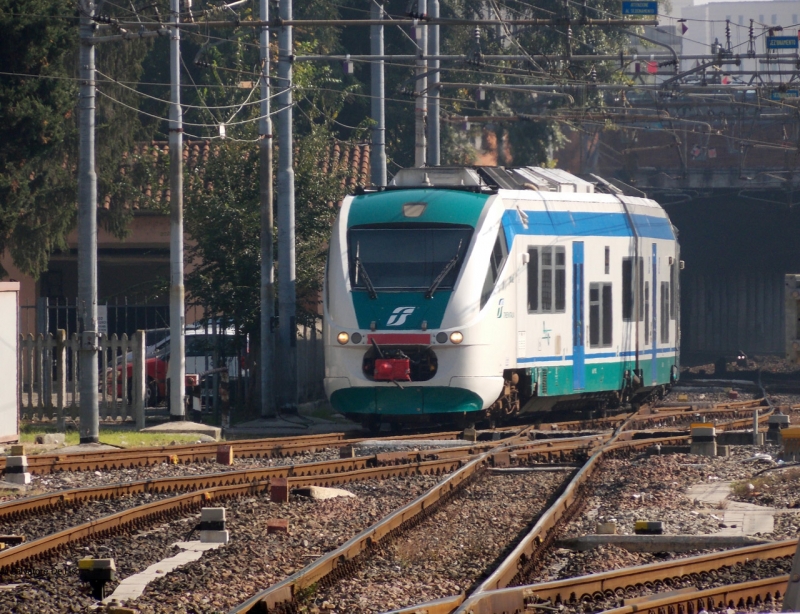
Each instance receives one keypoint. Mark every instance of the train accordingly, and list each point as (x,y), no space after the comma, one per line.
(459,294)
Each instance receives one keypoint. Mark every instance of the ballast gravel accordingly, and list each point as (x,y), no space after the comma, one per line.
(222,578)
(450,552)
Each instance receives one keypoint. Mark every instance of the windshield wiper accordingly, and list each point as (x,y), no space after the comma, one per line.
(447,268)
(360,267)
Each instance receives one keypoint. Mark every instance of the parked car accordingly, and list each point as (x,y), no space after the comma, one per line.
(200,345)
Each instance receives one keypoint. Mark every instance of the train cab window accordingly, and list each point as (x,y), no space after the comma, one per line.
(647,313)
(600,315)
(629,303)
(496,262)
(547,279)
(403,257)
(665,312)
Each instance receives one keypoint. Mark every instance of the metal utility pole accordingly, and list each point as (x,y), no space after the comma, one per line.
(434,129)
(87,234)
(377,158)
(421,104)
(177,357)
(265,194)
(287,320)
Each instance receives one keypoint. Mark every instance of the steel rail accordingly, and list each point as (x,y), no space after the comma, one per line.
(609,583)
(343,560)
(192,453)
(323,472)
(35,550)
(742,595)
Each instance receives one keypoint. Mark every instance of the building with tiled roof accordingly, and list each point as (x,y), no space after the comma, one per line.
(138,266)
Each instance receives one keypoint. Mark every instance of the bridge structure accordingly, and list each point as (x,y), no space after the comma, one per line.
(725,164)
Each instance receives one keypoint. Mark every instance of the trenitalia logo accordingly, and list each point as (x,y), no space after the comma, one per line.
(399,315)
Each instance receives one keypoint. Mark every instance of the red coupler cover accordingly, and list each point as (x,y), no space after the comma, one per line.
(392,369)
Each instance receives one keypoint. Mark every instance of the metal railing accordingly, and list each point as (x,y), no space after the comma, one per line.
(49,377)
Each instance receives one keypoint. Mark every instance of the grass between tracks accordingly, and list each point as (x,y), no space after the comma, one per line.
(113,436)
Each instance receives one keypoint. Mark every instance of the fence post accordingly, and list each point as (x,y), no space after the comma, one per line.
(61,375)
(139,378)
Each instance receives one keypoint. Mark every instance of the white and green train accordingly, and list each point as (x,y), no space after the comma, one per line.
(483,291)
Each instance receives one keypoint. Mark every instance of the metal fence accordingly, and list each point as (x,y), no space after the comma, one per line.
(49,378)
(208,345)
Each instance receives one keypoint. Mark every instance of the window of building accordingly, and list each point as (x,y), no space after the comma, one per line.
(761,19)
(665,311)
(794,19)
(600,316)
(608,259)
(647,313)
(629,303)
(741,20)
(547,279)
(496,262)
(774,19)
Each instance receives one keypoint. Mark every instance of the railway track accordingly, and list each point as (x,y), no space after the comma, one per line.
(460,462)
(290,446)
(346,559)
(223,486)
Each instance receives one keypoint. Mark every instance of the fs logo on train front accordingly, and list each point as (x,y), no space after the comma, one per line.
(399,315)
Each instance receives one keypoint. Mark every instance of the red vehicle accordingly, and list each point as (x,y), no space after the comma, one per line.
(156,380)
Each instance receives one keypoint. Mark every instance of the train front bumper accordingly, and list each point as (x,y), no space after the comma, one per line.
(464,395)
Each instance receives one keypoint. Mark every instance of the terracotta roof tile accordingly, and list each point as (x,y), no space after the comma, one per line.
(148,164)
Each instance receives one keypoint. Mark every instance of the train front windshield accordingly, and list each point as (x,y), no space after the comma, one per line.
(408,257)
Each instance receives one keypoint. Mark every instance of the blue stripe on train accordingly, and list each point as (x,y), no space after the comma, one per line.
(585,224)
(593,356)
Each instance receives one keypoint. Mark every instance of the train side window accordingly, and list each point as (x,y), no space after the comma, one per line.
(600,315)
(673,285)
(647,313)
(496,262)
(547,279)
(608,260)
(629,289)
(665,312)
(533,279)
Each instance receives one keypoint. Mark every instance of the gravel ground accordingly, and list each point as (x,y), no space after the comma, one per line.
(450,551)
(224,577)
(654,488)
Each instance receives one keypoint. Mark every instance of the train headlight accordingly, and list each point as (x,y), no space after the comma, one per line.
(441,337)
(342,338)
(356,338)
(456,337)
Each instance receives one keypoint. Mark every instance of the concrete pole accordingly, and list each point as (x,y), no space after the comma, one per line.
(377,158)
(87,234)
(421,84)
(177,358)
(265,193)
(287,319)
(434,128)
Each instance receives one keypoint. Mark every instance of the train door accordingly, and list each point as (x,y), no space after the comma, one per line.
(654,317)
(578,347)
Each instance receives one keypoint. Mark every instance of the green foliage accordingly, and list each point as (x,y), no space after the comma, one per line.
(37,129)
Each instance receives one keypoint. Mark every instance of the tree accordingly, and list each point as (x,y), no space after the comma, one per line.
(38,129)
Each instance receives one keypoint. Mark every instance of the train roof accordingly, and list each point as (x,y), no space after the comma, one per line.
(491,179)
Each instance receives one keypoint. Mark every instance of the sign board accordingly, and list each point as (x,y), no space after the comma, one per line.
(102,319)
(632,7)
(9,361)
(776,95)
(781,42)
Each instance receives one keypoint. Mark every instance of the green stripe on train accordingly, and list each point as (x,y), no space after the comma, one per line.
(409,400)
(600,376)
(443,207)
